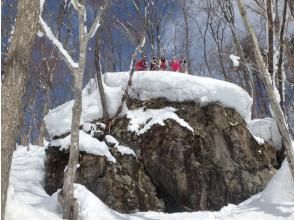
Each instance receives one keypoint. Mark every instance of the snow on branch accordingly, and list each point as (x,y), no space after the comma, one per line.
(235,60)
(47,30)
(96,23)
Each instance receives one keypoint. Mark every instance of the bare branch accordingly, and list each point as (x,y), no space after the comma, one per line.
(97,20)
(68,59)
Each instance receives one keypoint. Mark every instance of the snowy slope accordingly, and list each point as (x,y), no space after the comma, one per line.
(150,85)
(26,197)
(28,200)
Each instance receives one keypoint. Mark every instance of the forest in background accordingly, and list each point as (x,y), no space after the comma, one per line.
(204,32)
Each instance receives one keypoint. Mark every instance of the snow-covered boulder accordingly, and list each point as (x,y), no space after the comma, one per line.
(180,135)
(175,87)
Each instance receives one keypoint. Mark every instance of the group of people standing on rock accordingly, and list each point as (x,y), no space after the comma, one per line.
(176,65)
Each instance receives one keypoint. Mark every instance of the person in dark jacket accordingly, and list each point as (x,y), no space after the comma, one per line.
(154,64)
(142,64)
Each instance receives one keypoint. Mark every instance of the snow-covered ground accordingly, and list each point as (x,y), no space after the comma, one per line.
(150,85)
(28,200)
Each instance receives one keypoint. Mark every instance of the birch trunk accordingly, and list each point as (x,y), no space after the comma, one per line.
(13,85)
(266,78)
(280,77)
(66,197)
(69,175)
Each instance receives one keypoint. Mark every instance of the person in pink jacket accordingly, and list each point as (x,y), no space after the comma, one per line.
(175,65)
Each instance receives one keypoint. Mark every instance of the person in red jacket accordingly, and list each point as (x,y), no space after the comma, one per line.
(163,65)
(142,64)
(175,65)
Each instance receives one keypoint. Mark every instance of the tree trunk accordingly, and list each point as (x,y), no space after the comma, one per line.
(45,112)
(66,197)
(70,172)
(187,45)
(47,81)
(265,76)
(129,84)
(100,81)
(203,36)
(280,77)
(69,210)
(291,6)
(270,35)
(22,135)
(158,39)
(13,86)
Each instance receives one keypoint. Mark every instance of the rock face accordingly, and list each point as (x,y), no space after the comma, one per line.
(123,185)
(219,163)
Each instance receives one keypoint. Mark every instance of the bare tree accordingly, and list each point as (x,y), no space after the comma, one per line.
(280,76)
(100,81)
(204,37)
(138,49)
(49,65)
(228,14)
(217,31)
(129,83)
(185,10)
(158,15)
(266,78)
(66,197)
(270,36)
(291,6)
(13,85)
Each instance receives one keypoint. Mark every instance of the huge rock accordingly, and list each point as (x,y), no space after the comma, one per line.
(219,163)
